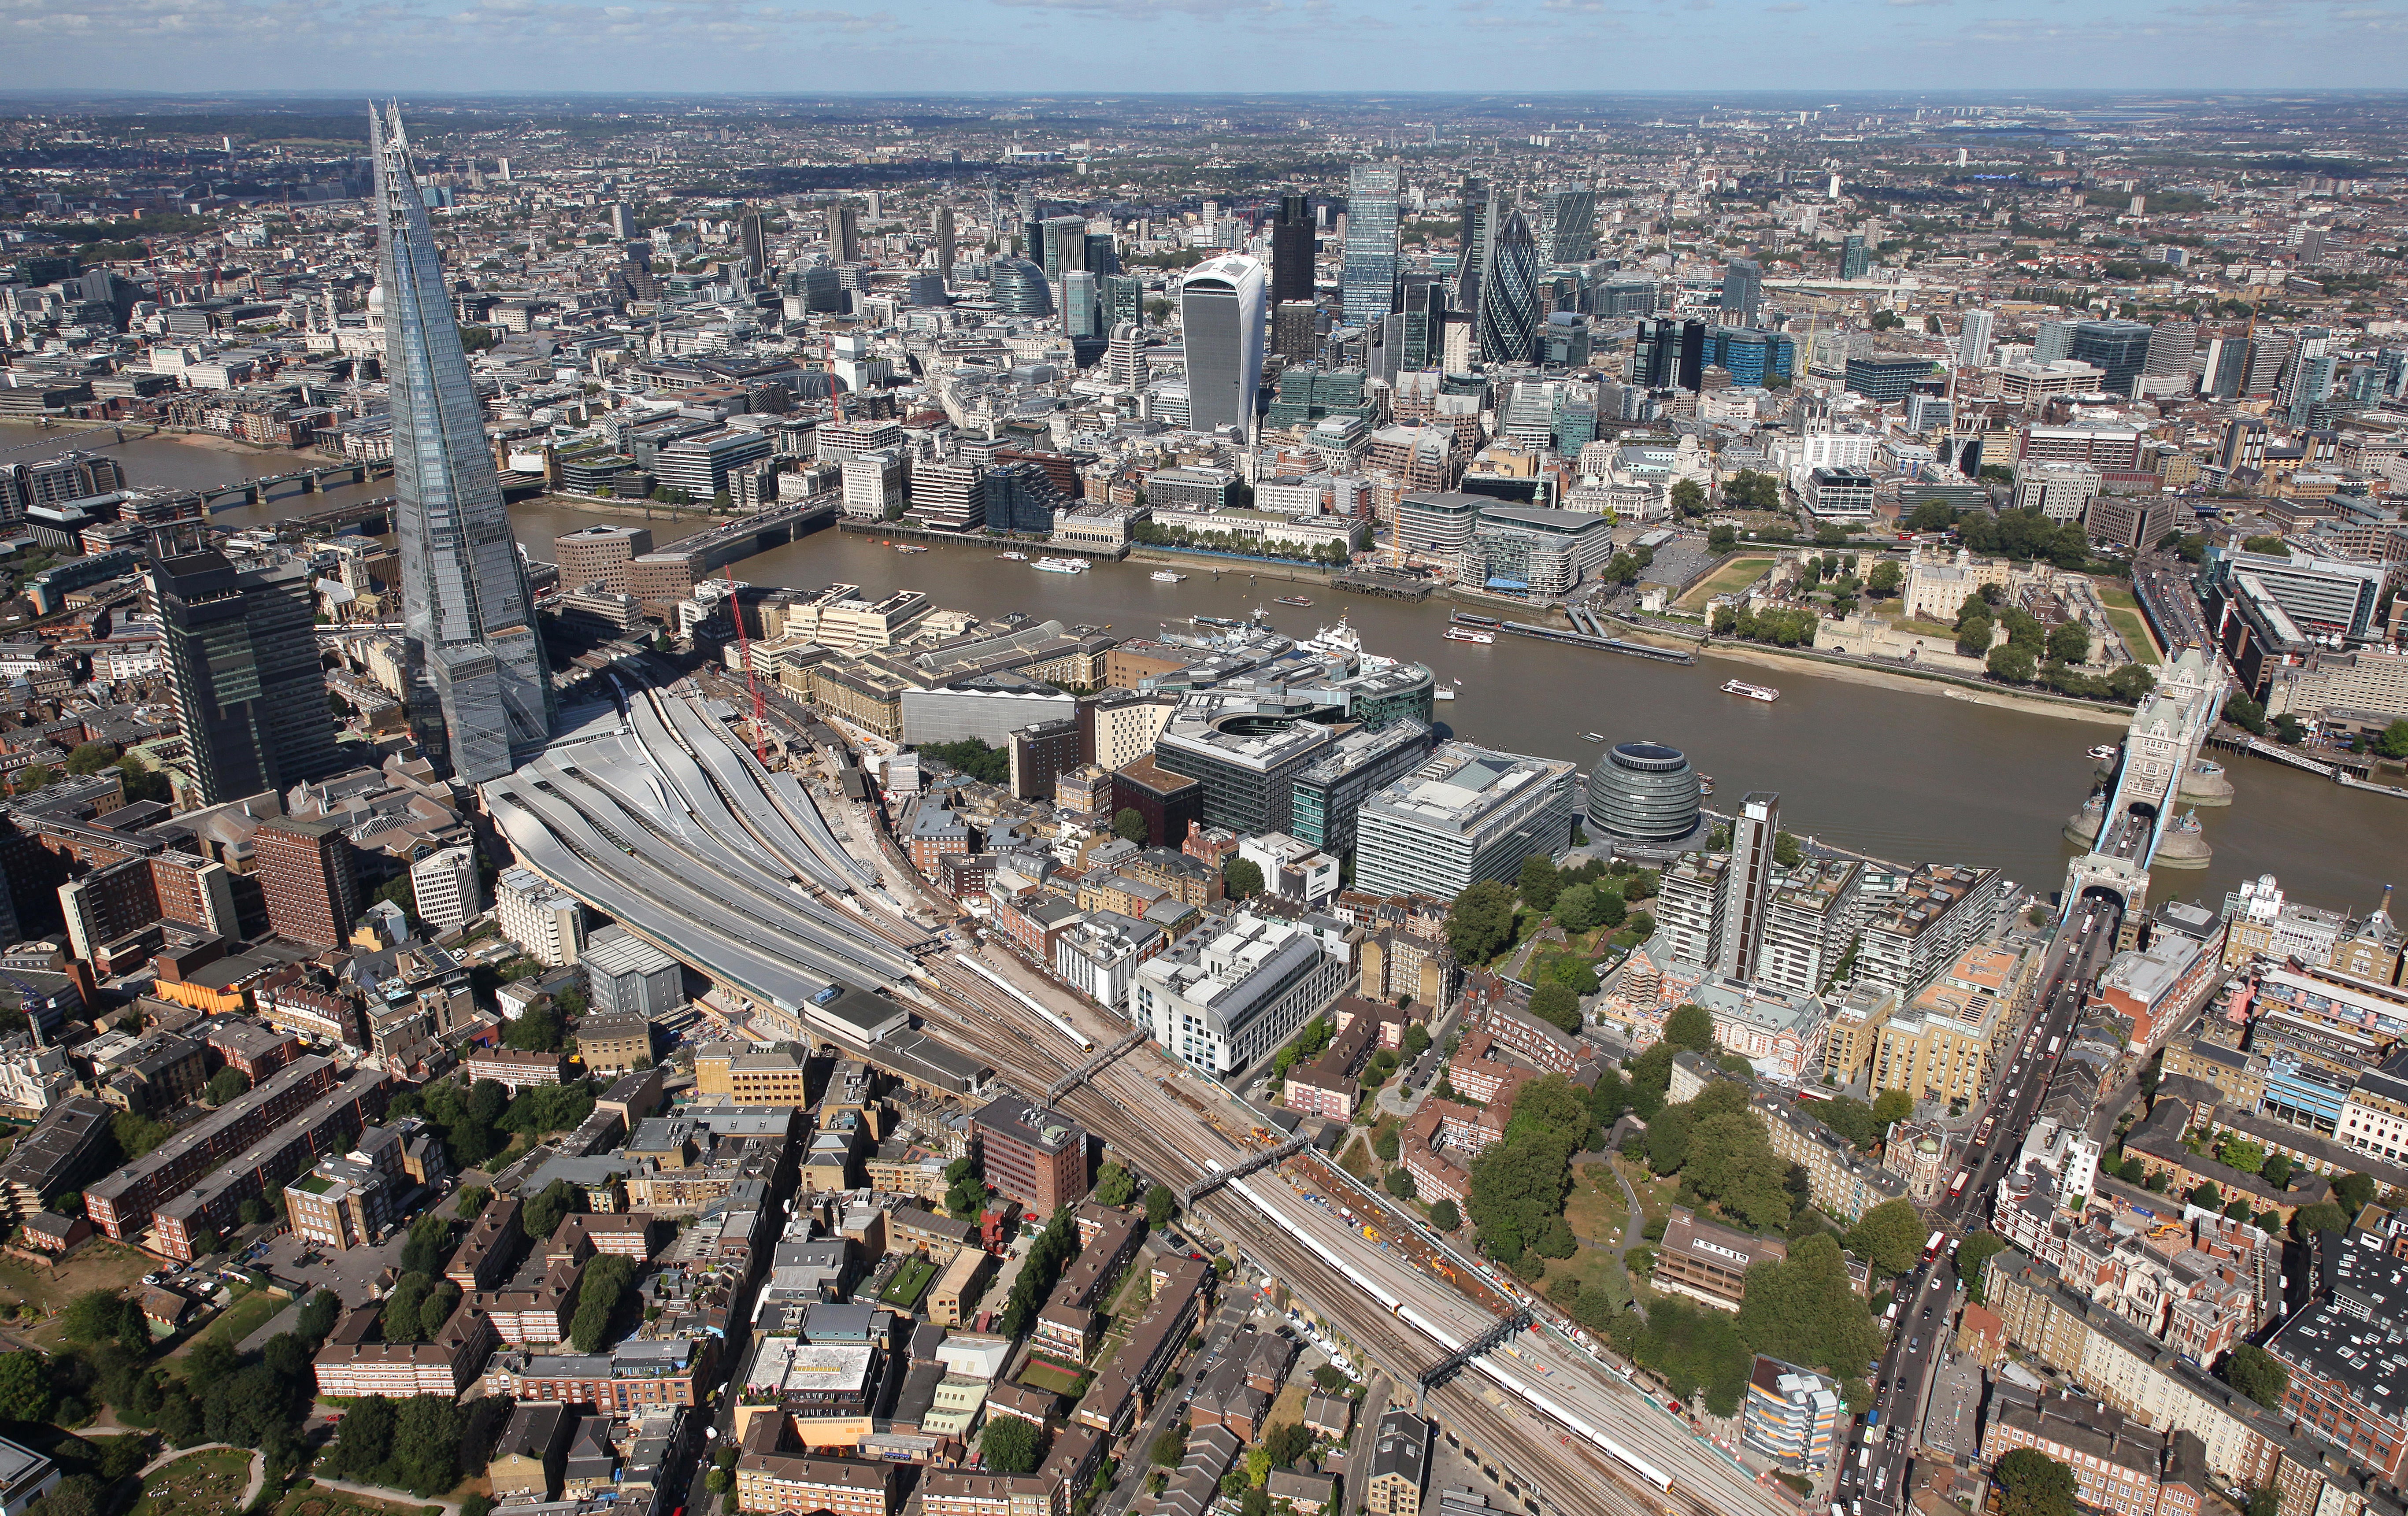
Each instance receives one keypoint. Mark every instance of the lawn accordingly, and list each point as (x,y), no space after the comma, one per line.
(1919,627)
(98,1265)
(911,1281)
(2109,594)
(238,1321)
(2136,634)
(313,1500)
(1594,1210)
(199,1483)
(1052,1376)
(1737,573)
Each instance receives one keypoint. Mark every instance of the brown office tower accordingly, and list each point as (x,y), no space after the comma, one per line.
(308,875)
(1035,1156)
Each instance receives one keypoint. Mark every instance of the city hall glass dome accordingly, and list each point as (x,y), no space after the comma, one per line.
(1643,790)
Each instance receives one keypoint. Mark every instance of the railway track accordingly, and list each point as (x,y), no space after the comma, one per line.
(1532,1450)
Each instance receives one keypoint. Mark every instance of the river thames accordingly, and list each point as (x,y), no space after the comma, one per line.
(1897,773)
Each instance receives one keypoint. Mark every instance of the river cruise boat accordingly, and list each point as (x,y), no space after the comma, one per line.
(1754,691)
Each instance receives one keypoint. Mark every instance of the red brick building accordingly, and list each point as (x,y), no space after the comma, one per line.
(1035,1156)
(309,877)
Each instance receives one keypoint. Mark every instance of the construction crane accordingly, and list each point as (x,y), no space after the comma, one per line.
(752,675)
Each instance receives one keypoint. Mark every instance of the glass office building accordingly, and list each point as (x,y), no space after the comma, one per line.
(479,686)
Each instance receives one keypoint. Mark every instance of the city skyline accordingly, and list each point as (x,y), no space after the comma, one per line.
(985,45)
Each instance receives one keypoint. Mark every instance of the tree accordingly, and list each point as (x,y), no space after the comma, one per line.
(537,1029)
(1807,1311)
(1011,1445)
(1688,498)
(2244,713)
(24,1388)
(1114,1185)
(254,1211)
(1171,1447)
(2068,642)
(542,1214)
(2353,1193)
(2322,1217)
(1576,908)
(2011,664)
(2132,682)
(33,777)
(599,1295)
(1691,1028)
(1160,1206)
(1557,1005)
(90,758)
(1417,1039)
(1444,1215)
(2032,1484)
(1540,883)
(2237,1151)
(2257,1374)
(225,1085)
(1788,850)
(2276,1170)
(405,1309)
(99,1316)
(205,1242)
(425,1446)
(1481,922)
(1889,1237)
(1385,1144)
(2265,543)
(1972,1261)
(135,1135)
(1130,826)
(1242,877)
(2392,741)
(77,1494)
(1751,491)
(1885,580)
(972,757)
(1974,636)
(1400,1183)
(1892,1106)
(1722,538)
(363,1439)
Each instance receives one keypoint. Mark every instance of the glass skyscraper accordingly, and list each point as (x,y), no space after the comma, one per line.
(1292,250)
(478,683)
(1509,301)
(1743,289)
(2117,349)
(1856,259)
(1221,324)
(1367,288)
(1568,224)
(1018,288)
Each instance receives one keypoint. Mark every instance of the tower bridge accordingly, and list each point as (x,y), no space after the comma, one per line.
(2136,807)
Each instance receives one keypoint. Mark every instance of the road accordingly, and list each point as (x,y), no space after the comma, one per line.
(1876,1468)
(1217,1330)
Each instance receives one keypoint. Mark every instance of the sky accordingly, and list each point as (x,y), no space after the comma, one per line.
(1033,46)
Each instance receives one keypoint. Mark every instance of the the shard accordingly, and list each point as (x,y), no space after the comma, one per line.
(478,683)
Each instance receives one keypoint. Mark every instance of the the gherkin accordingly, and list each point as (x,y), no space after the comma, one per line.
(1509,293)
(478,683)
